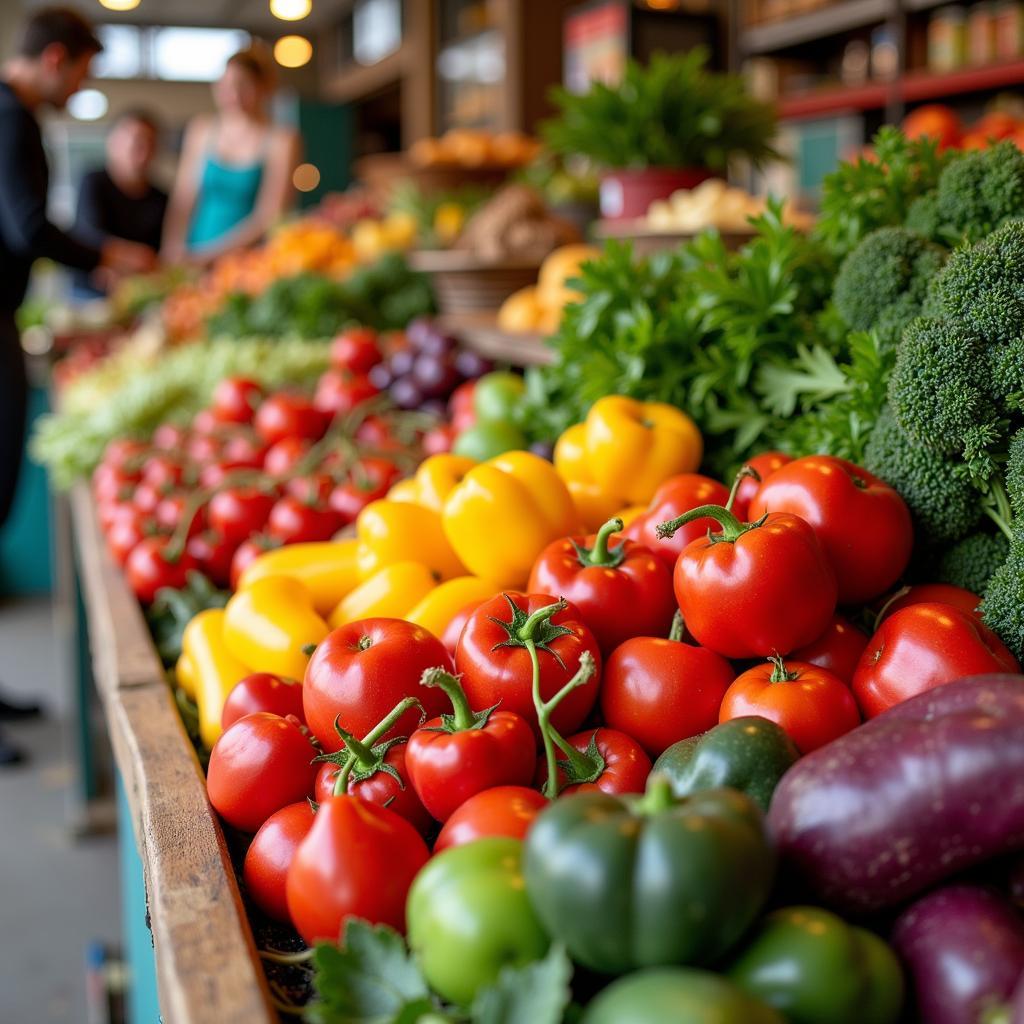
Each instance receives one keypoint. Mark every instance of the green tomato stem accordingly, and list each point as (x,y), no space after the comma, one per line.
(543,720)
(360,751)
(658,797)
(526,631)
(462,712)
(781,674)
(678,625)
(599,554)
(746,472)
(732,528)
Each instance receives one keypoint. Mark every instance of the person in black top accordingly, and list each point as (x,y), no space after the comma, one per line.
(119,200)
(48,67)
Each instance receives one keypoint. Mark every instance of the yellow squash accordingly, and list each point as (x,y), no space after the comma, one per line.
(446,600)
(215,669)
(389,593)
(327,569)
(399,531)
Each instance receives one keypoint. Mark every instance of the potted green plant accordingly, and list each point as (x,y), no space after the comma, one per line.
(669,125)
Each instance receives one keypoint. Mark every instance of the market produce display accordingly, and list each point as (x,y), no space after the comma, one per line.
(678,680)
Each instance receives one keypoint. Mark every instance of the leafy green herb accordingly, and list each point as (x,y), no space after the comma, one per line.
(535,994)
(671,112)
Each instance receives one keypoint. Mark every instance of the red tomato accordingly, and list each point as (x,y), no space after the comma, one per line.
(149,568)
(862,523)
(244,449)
(764,465)
(757,591)
(838,649)
(270,855)
(313,488)
(164,471)
(376,782)
(172,509)
(257,766)
(338,393)
(675,496)
(283,457)
(292,521)
(214,555)
(126,531)
(922,646)
(452,632)
(375,432)
(944,593)
(621,589)
(358,860)
(661,691)
(289,415)
(610,761)
(122,452)
(356,350)
(370,480)
(439,439)
(238,512)
(362,670)
(113,483)
(204,448)
(495,664)
(262,691)
(502,811)
(170,437)
(810,703)
(449,760)
(147,496)
(247,552)
(461,406)
(235,399)
(204,422)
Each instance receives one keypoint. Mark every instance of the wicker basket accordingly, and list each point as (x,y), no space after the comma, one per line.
(465,284)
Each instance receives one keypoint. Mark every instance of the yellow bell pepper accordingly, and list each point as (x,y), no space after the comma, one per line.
(398,531)
(390,592)
(593,505)
(633,447)
(327,569)
(216,669)
(627,515)
(185,675)
(438,476)
(405,490)
(268,625)
(503,514)
(447,599)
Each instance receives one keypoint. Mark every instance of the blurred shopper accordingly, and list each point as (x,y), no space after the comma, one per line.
(235,176)
(49,66)
(119,200)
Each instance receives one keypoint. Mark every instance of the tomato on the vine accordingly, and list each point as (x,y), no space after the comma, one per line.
(369,480)
(621,589)
(292,521)
(153,564)
(214,553)
(257,766)
(235,399)
(338,393)
(360,671)
(660,691)
(289,415)
(356,350)
(247,552)
(270,855)
(495,664)
(283,456)
(236,513)
(810,703)
(601,759)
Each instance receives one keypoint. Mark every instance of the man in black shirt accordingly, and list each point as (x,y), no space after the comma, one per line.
(119,200)
(49,66)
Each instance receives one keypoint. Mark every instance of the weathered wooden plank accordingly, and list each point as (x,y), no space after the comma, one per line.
(122,650)
(207,966)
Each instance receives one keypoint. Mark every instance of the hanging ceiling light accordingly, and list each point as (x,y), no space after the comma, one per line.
(306,177)
(88,105)
(119,5)
(290,10)
(293,51)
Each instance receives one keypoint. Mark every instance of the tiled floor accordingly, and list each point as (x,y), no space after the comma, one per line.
(58,893)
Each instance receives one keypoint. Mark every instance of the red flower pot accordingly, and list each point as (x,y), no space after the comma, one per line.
(626,194)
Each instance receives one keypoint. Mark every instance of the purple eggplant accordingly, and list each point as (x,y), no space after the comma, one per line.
(964,949)
(926,789)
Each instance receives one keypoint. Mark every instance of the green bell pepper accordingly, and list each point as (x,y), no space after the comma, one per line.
(812,966)
(628,882)
(677,994)
(750,754)
(468,916)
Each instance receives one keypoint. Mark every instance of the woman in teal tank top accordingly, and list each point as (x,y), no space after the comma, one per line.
(234,178)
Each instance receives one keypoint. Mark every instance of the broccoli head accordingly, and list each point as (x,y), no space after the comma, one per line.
(1002,605)
(1006,374)
(971,562)
(939,388)
(923,217)
(1014,475)
(978,191)
(983,286)
(943,501)
(882,284)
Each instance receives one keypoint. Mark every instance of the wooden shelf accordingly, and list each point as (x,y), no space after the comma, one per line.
(803,28)
(911,88)
(479,331)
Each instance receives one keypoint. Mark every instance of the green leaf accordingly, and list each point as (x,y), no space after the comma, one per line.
(535,994)
(370,979)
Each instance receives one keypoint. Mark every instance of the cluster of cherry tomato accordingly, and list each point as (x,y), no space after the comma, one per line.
(254,471)
(583,680)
